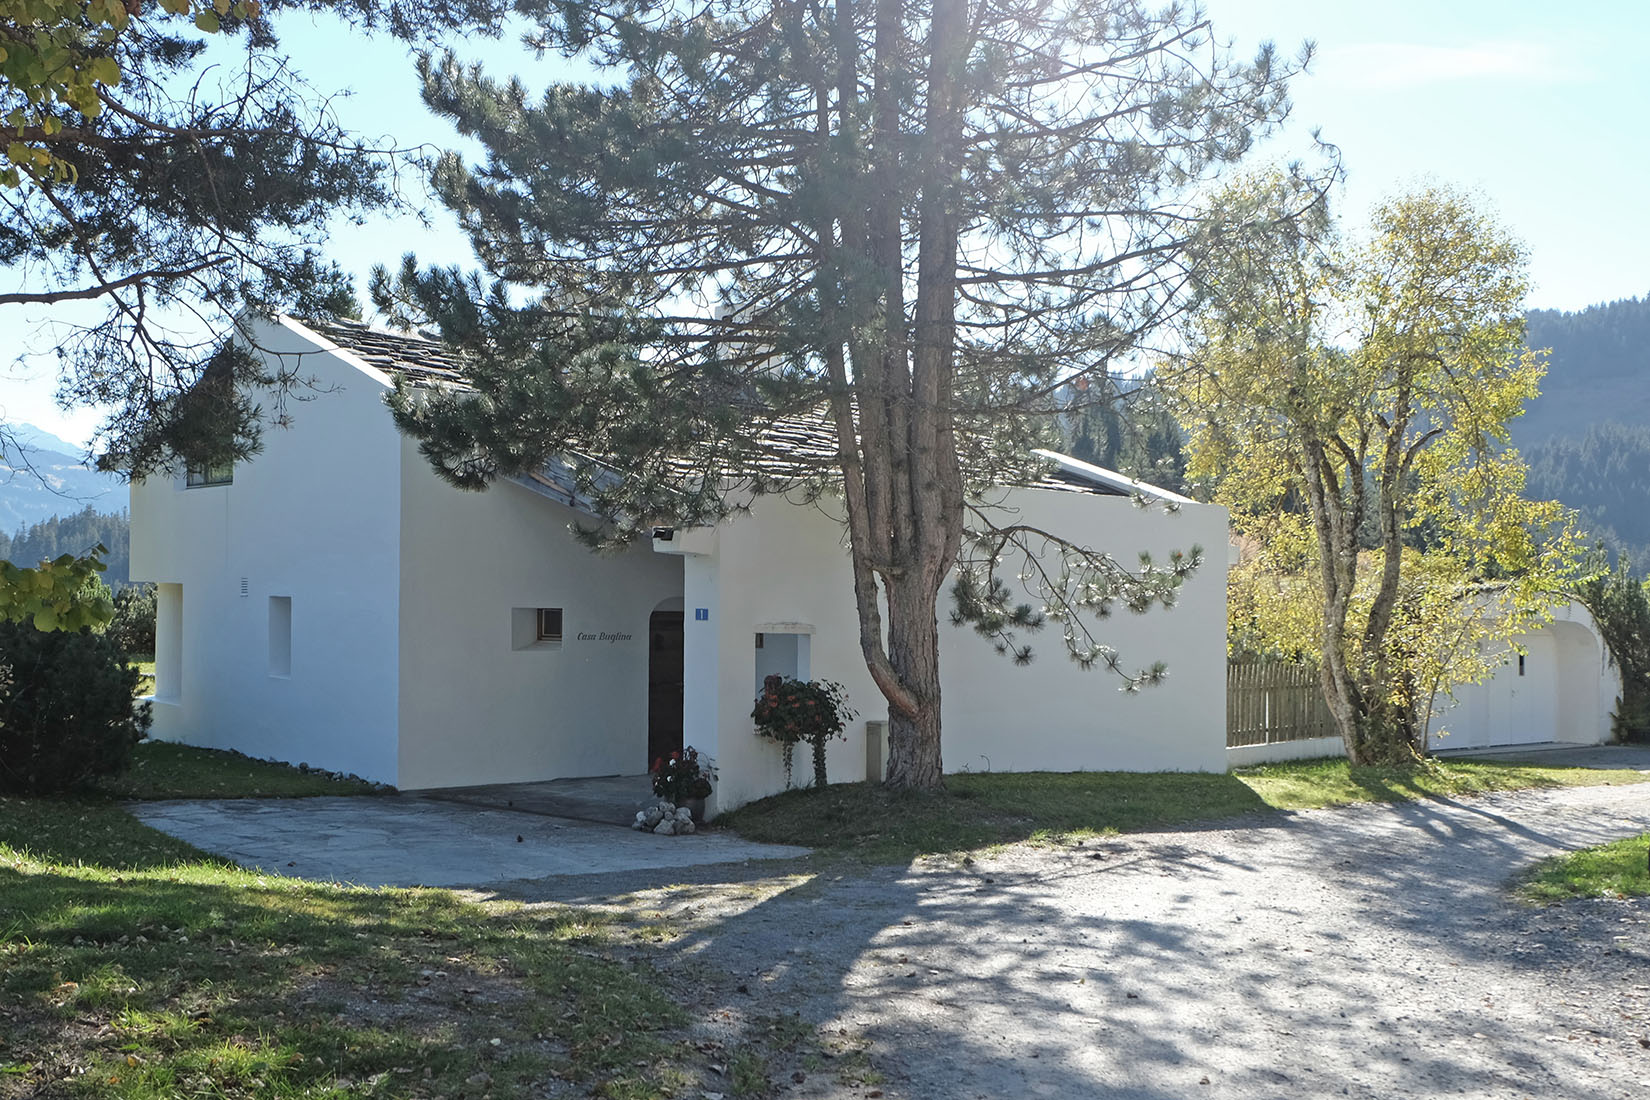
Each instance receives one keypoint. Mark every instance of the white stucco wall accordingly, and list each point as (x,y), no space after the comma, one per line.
(1567,693)
(1052,714)
(314,517)
(472,708)
(784,565)
(1276,752)
(783,568)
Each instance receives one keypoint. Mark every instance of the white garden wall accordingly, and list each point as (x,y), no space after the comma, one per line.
(1276,752)
(1566,693)
(783,568)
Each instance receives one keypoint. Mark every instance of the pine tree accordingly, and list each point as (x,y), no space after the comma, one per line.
(913,221)
(176,188)
(75,534)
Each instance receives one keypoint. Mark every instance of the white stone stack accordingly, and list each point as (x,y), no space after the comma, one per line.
(665,819)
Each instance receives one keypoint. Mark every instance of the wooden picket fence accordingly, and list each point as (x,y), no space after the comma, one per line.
(1272,701)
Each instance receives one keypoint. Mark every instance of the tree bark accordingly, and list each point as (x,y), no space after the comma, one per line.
(914,758)
(930,483)
(1335,522)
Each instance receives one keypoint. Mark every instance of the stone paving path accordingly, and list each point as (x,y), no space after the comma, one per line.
(406,841)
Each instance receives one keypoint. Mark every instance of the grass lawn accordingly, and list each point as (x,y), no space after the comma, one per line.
(1621,869)
(978,810)
(135,966)
(146,668)
(161,769)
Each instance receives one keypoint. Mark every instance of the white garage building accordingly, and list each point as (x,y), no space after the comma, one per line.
(1555,685)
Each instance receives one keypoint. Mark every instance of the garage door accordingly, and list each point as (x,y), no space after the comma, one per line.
(1517,706)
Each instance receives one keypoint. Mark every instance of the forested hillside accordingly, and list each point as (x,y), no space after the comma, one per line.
(1587,437)
(74,534)
(1599,370)
(42,475)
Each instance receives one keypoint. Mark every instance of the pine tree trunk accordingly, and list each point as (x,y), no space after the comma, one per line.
(902,481)
(914,761)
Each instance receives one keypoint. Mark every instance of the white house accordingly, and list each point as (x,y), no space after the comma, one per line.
(333,602)
(1555,684)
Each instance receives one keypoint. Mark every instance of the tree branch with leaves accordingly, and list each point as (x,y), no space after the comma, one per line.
(1351,400)
(168,167)
(910,222)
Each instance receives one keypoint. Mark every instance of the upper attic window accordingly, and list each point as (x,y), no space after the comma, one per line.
(211,473)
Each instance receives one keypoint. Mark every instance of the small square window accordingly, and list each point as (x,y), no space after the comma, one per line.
(280,637)
(549,625)
(535,628)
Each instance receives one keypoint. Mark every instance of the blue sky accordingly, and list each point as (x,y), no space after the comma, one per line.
(1542,115)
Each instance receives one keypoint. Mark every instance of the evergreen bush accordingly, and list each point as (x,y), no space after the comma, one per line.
(133,627)
(67,713)
(1621,607)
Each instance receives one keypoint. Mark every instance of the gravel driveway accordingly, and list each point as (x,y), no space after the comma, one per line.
(1365,952)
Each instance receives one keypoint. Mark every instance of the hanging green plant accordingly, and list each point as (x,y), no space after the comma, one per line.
(814,711)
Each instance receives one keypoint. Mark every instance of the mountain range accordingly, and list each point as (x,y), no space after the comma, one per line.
(1587,437)
(43,476)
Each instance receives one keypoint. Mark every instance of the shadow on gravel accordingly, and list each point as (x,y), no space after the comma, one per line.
(964,981)
(1372,952)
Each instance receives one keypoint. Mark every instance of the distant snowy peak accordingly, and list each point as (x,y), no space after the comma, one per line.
(37,439)
(42,476)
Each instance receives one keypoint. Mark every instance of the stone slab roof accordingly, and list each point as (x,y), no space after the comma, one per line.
(794,447)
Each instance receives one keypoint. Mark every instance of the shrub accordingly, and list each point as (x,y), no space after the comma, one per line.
(789,711)
(1621,607)
(65,593)
(133,627)
(683,776)
(67,714)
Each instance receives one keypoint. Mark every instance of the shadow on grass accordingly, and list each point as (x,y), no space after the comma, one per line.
(90,832)
(165,770)
(144,971)
(977,810)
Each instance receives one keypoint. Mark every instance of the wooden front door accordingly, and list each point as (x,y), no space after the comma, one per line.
(664,685)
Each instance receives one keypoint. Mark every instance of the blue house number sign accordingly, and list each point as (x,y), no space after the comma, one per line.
(701,614)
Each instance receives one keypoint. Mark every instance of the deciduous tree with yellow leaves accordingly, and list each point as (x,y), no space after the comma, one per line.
(1349,401)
